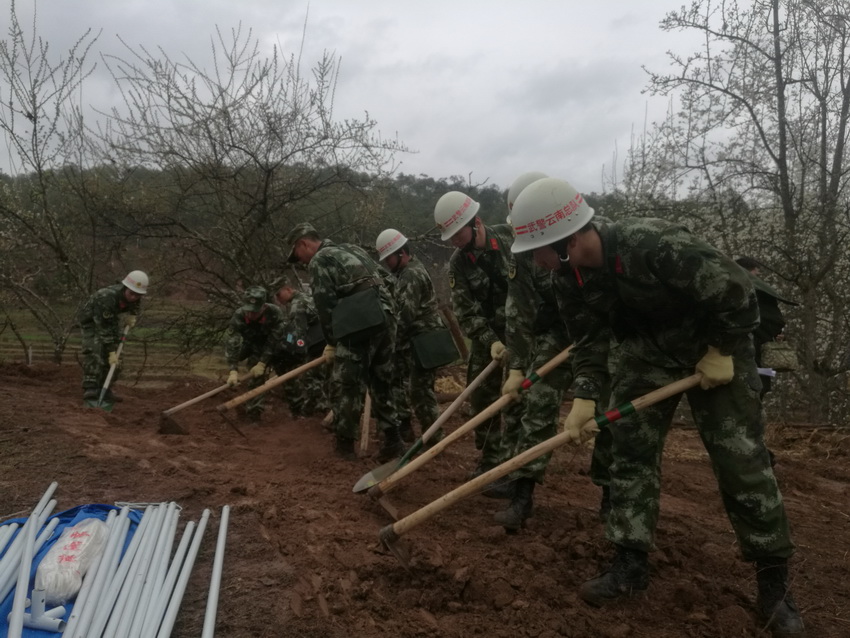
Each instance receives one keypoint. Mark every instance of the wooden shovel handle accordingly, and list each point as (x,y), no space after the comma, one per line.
(112,368)
(365,422)
(493,409)
(201,397)
(477,484)
(271,383)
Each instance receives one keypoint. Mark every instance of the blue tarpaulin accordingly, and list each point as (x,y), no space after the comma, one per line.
(68,518)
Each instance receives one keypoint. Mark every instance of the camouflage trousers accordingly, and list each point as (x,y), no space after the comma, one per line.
(280,363)
(307,394)
(488,435)
(541,405)
(95,355)
(600,461)
(415,390)
(370,361)
(729,422)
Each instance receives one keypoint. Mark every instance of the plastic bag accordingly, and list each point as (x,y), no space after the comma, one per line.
(61,571)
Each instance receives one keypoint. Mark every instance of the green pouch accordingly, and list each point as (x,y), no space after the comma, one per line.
(779,355)
(358,316)
(434,349)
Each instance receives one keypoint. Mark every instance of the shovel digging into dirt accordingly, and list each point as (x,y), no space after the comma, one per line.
(383,471)
(100,403)
(168,425)
(379,490)
(391,534)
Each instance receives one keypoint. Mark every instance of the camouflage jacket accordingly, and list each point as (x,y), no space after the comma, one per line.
(336,270)
(665,294)
(531,311)
(301,314)
(416,303)
(264,335)
(101,312)
(479,283)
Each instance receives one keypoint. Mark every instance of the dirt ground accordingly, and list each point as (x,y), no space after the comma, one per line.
(303,556)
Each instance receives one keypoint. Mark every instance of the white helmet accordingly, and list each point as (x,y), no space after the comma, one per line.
(453,211)
(519,185)
(545,211)
(137,281)
(388,242)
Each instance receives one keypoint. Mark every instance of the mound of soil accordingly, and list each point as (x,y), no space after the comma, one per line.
(303,556)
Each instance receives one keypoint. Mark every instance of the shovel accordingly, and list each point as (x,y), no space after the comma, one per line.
(170,426)
(383,471)
(390,534)
(107,406)
(365,423)
(377,491)
(268,385)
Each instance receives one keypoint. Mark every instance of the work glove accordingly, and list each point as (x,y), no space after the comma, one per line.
(130,321)
(498,350)
(232,379)
(113,358)
(716,368)
(258,370)
(328,353)
(576,424)
(513,383)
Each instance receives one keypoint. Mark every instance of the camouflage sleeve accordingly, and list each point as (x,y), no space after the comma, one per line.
(592,339)
(520,311)
(105,318)
(276,335)
(299,313)
(720,289)
(469,312)
(323,276)
(233,341)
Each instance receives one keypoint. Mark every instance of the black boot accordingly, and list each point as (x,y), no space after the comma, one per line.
(500,488)
(513,518)
(629,572)
(91,394)
(345,449)
(775,606)
(392,447)
(605,504)
(405,431)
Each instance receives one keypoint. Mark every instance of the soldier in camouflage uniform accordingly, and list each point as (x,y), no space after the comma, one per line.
(675,304)
(256,333)
(478,277)
(101,330)
(416,303)
(338,271)
(306,394)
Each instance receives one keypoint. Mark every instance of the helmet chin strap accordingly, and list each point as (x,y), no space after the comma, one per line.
(471,245)
(560,248)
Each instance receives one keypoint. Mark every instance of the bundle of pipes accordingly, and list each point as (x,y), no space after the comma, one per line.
(134,595)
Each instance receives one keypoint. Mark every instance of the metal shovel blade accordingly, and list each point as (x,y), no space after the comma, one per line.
(106,406)
(375,476)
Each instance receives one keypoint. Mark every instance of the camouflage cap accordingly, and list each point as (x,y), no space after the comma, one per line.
(294,235)
(254,298)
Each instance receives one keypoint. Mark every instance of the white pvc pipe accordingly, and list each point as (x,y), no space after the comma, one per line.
(107,601)
(16,616)
(42,538)
(215,579)
(79,621)
(6,533)
(119,625)
(153,582)
(11,561)
(42,619)
(90,577)
(157,608)
(180,588)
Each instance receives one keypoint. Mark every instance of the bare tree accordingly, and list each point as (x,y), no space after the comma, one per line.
(759,141)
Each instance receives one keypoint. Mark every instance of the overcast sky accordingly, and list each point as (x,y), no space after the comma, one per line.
(493,88)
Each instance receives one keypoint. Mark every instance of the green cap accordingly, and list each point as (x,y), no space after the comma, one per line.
(294,235)
(254,299)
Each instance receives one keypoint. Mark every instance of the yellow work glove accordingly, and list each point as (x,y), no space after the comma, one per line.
(258,370)
(113,358)
(328,353)
(513,384)
(232,379)
(130,321)
(576,424)
(498,350)
(717,369)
